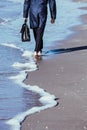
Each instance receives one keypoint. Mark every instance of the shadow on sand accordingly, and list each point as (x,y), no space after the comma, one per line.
(65,50)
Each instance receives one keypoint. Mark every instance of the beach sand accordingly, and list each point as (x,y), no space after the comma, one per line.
(65,76)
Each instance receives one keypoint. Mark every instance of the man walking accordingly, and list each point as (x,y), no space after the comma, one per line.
(37,11)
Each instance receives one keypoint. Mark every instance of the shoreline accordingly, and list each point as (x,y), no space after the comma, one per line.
(68,82)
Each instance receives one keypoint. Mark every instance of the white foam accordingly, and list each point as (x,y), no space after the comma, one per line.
(9,45)
(27,54)
(4,21)
(27,66)
(48,100)
(19,78)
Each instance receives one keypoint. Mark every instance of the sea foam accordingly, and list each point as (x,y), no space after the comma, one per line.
(47,100)
(28,66)
(10,45)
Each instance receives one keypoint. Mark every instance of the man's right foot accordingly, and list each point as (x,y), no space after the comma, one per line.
(35,54)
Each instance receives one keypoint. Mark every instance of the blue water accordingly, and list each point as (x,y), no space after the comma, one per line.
(15,99)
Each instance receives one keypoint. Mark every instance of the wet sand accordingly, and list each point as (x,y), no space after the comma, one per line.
(65,76)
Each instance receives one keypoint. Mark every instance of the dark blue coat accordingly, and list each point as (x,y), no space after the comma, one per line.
(37,10)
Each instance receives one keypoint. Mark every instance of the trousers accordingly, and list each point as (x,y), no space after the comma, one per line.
(38,36)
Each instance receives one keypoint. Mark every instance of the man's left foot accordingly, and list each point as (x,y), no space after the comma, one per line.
(39,53)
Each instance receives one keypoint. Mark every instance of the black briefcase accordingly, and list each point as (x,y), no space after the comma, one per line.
(25,32)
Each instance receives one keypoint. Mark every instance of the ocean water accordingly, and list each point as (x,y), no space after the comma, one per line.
(18,100)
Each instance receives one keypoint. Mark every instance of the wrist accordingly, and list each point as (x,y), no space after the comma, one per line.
(52,21)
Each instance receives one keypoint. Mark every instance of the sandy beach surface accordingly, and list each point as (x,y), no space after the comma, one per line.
(65,76)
